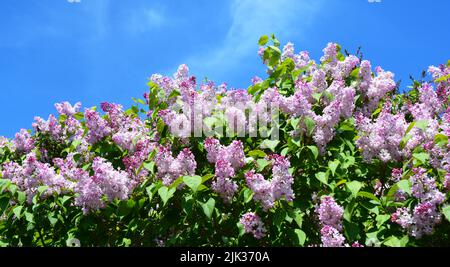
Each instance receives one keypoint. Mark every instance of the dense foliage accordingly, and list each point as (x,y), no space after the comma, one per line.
(321,153)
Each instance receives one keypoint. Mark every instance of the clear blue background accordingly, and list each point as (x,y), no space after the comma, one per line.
(105,50)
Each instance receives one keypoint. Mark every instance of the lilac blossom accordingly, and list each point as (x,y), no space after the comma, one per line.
(114,184)
(170,168)
(331,237)
(330,213)
(65,108)
(268,191)
(381,138)
(253,225)
(97,126)
(23,142)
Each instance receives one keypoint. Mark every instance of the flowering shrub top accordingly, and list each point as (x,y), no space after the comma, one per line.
(321,153)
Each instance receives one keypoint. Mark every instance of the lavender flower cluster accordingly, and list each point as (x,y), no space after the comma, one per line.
(268,191)
(425,215)
(253,225)
(330,217)
(227,160)
(170,168)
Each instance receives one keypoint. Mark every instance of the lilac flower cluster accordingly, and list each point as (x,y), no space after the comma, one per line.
(424,187)
(341,107)
(331,237)
(227,160)
(425,215)
(65,108)
(32,174)
(170,168)
(23,143)
(380,138)
(330,213)
(137,157)
(4,142)
(97,126)
(269,191)
(114,184)
(301,59)
(379,87)
(253,225)
(68,129)
(330,217)
(443,85)
(106,181)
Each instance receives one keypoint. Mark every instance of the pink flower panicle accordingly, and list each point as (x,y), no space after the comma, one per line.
(253,225)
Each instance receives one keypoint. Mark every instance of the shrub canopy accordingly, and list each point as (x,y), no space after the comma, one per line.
(324,153)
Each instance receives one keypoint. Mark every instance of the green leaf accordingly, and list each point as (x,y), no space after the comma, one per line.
(405,185)
(270,144)
(209,122)
(411,125)
(151,189)
(263,40)
(392,241)
(317,96)
(367,195)
(351,230)
(193,182)
(422,124)
(176,183)
(21,197)
(443,78)
(64,199)
(285,151)
(75,144)
(446,212)
(354,187)
(421,157)
(441,140)
(125,207)
(298,218)
(348,211)
(208,207)
(52,219)
(17,211)
(149,166)
(381,219)
(322,177)
(241,229)
(295,122)
(301,236)
(174,94)
(310,124)
(4,202)
(333,166)
(262,163)
(42,189)
(79,115)
(257,153)
(405,140)
(207,177)
(29,217)
(279,217)
(248,195)
(314,150)
(166,193)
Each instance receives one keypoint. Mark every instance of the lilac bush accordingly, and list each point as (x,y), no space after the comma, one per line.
(330,153)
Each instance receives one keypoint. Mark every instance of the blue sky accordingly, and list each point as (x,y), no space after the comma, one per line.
(105,50)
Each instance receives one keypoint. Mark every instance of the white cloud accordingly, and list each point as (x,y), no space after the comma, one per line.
(249,20)
(147,19)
